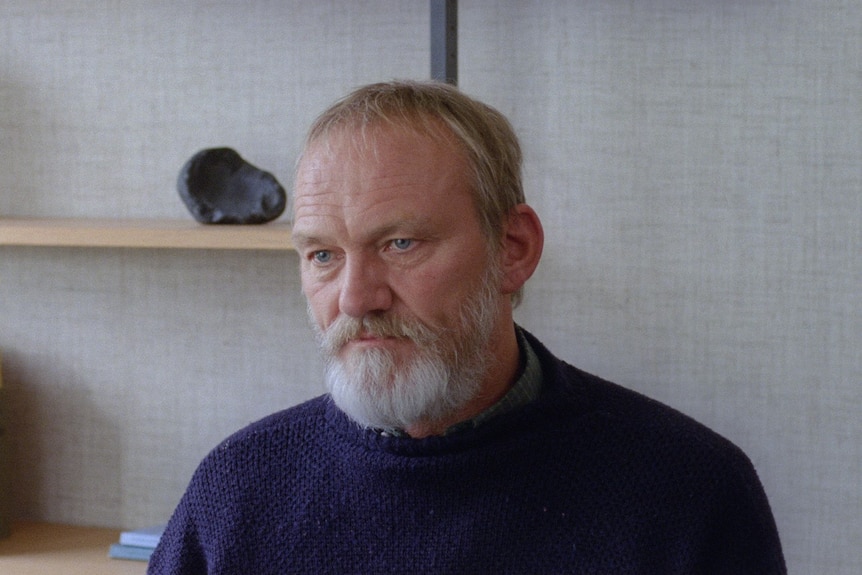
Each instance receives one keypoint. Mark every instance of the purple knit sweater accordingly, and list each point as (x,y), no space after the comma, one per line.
(590,478)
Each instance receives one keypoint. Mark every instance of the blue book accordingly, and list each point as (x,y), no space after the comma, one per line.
(148,537)
(131,552)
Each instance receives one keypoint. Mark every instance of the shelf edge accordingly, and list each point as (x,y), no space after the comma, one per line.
(142,233)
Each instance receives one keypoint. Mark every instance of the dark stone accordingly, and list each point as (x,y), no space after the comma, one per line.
(219,187)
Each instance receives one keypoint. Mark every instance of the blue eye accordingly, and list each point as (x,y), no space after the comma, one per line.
(322,256)
(402,243)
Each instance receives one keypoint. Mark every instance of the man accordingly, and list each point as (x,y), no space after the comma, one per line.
(451,440)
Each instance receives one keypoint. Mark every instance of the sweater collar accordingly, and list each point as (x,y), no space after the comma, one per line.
(553,395)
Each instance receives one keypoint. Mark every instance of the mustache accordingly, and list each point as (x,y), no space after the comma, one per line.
(346,329)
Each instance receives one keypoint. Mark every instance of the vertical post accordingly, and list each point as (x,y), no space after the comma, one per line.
(444,41)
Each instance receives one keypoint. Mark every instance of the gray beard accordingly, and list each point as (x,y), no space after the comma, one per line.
(443,375)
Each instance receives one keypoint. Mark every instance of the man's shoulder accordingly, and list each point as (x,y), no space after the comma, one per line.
(615,411)
(282,430)
(685,480)
(302,414)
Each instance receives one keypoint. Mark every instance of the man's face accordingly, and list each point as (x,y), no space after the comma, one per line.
(397,272)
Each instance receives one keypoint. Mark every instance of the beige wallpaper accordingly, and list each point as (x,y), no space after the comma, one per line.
(697,165)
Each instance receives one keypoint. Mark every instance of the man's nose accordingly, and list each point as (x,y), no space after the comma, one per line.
(364,287)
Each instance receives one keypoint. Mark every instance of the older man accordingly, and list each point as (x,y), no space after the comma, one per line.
(451,440)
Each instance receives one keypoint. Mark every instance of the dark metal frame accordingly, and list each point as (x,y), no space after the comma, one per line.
(444,41)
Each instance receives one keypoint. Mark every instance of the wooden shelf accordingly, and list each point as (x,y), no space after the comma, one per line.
(41,548)
(153,234)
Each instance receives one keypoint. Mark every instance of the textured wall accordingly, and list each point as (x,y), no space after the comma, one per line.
(697,165)
(125,367)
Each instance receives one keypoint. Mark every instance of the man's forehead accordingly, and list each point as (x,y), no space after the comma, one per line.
(333,159)
(364,140)
(403,183)
(394,153)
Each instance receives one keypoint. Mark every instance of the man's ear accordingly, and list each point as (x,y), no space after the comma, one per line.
(523,239)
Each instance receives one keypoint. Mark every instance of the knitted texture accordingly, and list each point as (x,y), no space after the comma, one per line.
(590,478)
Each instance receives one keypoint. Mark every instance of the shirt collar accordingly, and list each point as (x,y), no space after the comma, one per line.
(524,391)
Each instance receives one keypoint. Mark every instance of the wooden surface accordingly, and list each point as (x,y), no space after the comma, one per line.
(41,548)
(159,234)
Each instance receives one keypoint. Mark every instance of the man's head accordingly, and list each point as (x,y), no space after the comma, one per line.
(414,240)
(437,110)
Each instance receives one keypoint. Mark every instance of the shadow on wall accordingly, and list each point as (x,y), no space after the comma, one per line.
(65,455)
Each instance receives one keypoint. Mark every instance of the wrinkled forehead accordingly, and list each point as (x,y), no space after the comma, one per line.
(362,137)
(358,145)
(399,181)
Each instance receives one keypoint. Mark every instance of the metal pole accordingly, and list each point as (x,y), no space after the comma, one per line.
(444,41)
